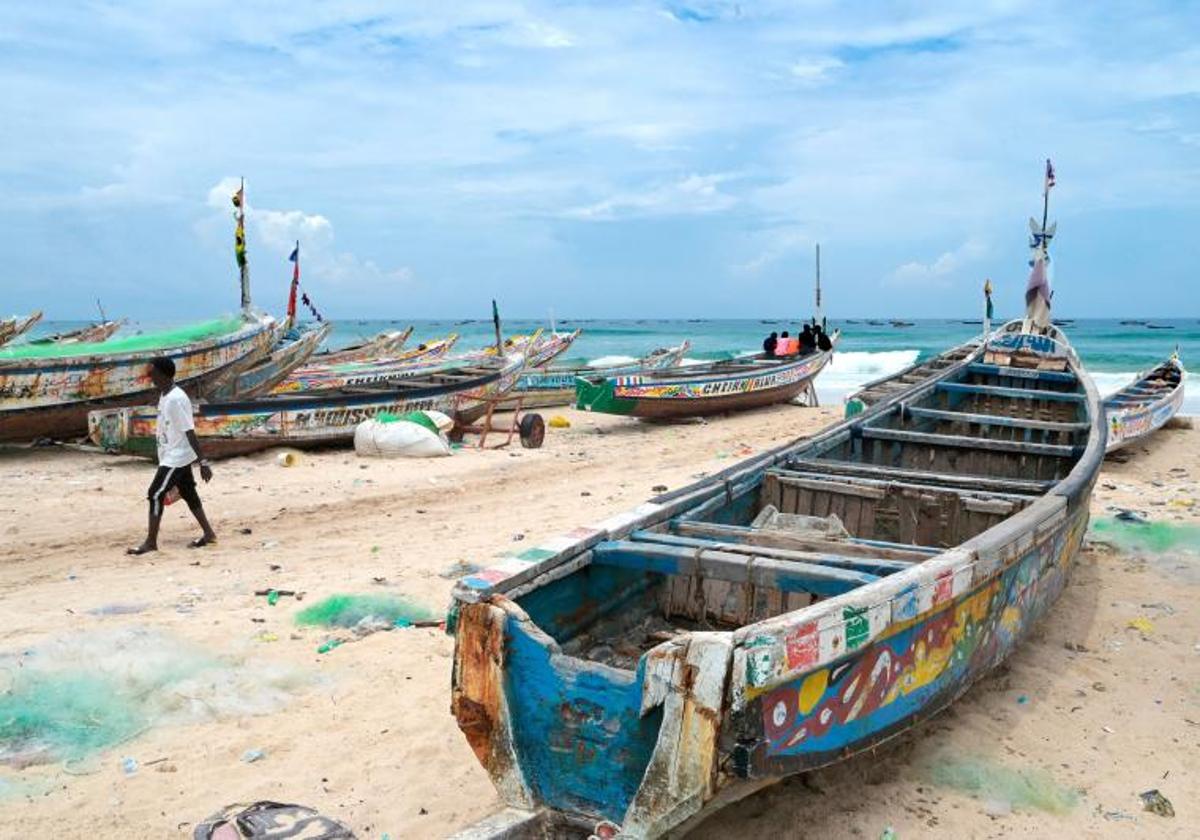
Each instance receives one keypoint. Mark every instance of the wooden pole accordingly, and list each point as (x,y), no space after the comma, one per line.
(245,263)
(819,317)
(496,323)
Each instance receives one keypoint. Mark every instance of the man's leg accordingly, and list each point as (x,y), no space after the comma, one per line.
(158,488)
(187,492)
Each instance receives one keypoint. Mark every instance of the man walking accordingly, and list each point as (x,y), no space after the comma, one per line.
(178,448)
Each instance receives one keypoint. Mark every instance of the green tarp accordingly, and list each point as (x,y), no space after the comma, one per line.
(146,342)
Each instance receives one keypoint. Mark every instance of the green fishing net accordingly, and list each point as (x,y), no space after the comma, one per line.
(1157,537)
(1024,789)
(418,417)
(161,340)
(349,610)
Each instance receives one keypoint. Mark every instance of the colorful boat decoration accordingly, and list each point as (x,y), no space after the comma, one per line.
(289,353)
(1145,405)
(91,334)
(798,608)
(48,390)
(17,325)
(556,386)
(384,345)
(312,419)
(698,390)
(324,376)
(547,346)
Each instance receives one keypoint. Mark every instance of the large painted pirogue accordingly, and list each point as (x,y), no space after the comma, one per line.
(1145,405)
(48,390)
(550,386)
(384,344)
(699,390)
(316,418)
(796,609)
(318,375)
(291,351)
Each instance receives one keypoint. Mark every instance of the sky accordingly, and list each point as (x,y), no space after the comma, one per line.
(600,159)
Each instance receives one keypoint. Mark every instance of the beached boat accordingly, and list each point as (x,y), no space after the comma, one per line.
(17,325)
(48,390)
(556,386)
(546,346)
(312,419)
(1145,405)
(798,608)
(324,376)
(91,334)
(287,355)
(698,390)
(386,344)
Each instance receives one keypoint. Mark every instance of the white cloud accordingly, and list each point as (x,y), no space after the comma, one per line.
(943,270)
(814,71)
(692,195)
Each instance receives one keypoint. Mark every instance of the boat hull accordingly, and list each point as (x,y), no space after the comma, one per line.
(1131,422)
(262,377)
(53,397)
(384,344)
(320,375)
(550,387)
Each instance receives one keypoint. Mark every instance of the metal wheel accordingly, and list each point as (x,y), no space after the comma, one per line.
(532,430)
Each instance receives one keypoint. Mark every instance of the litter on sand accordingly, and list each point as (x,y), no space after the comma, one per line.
(81,694)
(1023,789)
(275,820)
(1139,534)
(348,610)
(1154,802)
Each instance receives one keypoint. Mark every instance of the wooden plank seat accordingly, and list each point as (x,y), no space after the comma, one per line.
(994,420)
(713,564)
(1008,485)
(782,539)
(1016,393)
(870,565)
(971,442)
(816,481)
(1064,376)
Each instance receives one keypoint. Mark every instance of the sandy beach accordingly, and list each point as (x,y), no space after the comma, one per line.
(1099,708)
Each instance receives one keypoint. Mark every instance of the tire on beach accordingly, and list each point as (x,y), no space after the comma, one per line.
(532,430)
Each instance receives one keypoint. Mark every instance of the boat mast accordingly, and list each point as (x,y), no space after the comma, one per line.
(820,315)
(239,244)
(987,307)
(496,324)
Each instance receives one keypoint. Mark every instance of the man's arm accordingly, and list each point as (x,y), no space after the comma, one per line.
(205,469)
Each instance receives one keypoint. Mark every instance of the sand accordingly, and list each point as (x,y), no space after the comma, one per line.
(368,738)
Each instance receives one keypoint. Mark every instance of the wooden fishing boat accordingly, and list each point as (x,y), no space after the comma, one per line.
(15,326)
(546,346)
(1145,405)
(312,419)
(287,355)
(325,376)
(801,607)
(902,380)
(556,386)
(698,390)
(384,345)
(91,334)
(48,390)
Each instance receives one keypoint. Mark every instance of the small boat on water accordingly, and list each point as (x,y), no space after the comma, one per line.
(699,390)
(48,390)
(386,344)
(91,334)
(556,386)
(288,354)
(1160,327)
(805,605)
(316,418)
(318,375)
(17,325)
(1145,405)
(902,323)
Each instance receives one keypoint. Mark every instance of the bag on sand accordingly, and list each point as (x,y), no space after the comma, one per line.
(274,820)
(401,439)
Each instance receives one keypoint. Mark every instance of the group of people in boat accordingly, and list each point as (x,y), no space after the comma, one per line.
(810,338)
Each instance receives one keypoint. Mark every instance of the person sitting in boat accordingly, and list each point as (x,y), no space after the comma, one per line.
(787,345)
(822,339)
(178,448)
(808,341)
(769,345)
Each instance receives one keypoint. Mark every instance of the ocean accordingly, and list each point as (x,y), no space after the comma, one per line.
(1113,352)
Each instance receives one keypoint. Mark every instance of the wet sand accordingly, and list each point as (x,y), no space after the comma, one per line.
(368,738)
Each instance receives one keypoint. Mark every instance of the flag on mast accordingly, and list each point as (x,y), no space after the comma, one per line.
(239,232)
(1049,174)
(987,293)
(291,305)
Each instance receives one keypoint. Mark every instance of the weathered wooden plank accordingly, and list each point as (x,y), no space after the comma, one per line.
(871,565)
(1022,373)
(884,484)
(1017,393)
(782,539)
(865,491)
(972,443)
(995,420)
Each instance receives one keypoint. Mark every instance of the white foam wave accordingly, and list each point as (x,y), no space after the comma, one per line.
(1108,383)
(612,361)
(849,371)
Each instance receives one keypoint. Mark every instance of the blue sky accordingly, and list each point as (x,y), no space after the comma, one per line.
(603,159)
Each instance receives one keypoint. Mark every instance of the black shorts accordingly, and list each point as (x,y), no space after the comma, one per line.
(165,478)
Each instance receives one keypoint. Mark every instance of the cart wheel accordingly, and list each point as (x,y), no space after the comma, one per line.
(533,431)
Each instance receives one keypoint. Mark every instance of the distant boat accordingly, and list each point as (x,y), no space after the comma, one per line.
(1145,405)
(1062,322)
(877,323)
(1160,326)
(974,322)
(902,323)
(91,334)
(1133,323)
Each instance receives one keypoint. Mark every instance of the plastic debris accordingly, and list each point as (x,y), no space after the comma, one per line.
(1022,699)
(288,458)
(118,609)
(1154,802)
(889,833)
(329,645)
(251,756)
(1142,624)
(264,820)
(129,765)
(559,422)
(273,597)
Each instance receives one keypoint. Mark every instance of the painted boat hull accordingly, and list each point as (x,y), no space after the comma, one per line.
(325,376)
(319,419)
(1134,416)
(384,344)
(711,392)
(53,397)
(894,622)
(268,373)
(554,387)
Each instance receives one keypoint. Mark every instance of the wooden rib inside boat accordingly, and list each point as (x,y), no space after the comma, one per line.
(798,608)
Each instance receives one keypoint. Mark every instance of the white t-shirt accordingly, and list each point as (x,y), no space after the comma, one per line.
(174,421)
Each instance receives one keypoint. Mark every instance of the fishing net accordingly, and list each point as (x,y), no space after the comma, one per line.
(418,417)
(349,610)
(76,696)
(1024,789)
(161,340)
(1157,537)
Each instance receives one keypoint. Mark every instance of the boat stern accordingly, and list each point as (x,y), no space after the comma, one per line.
(600,395)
